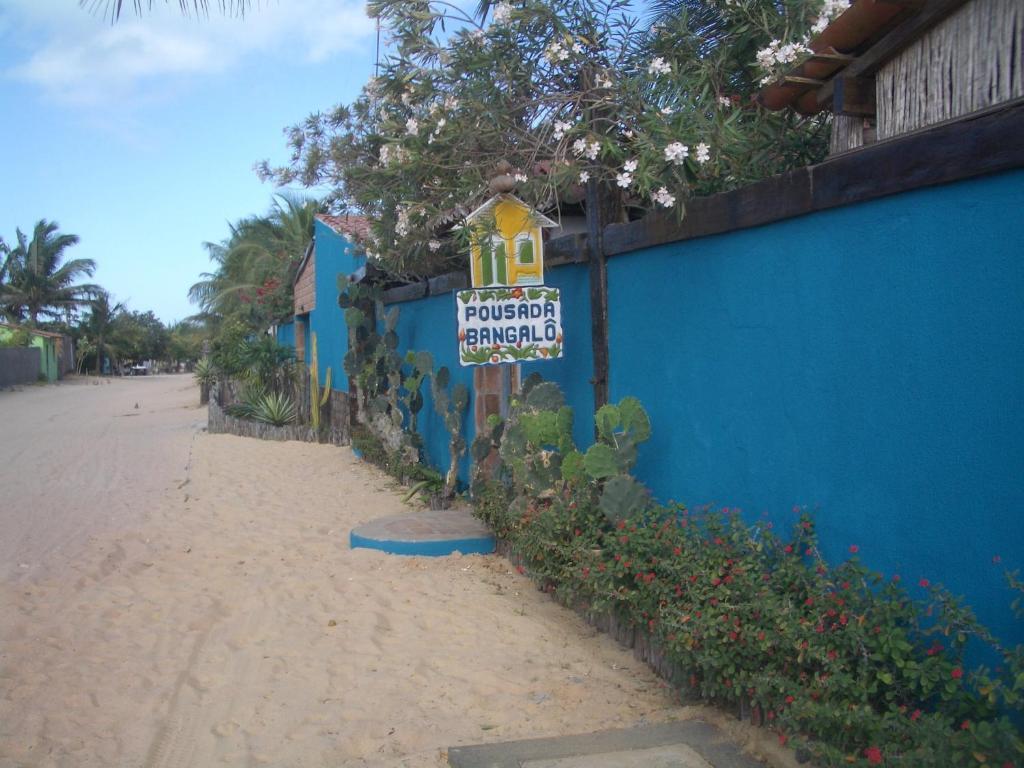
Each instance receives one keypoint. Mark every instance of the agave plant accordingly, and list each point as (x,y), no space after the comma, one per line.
(205,372)
(274,408)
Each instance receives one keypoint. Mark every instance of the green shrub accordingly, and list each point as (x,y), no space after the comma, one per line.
(836,658)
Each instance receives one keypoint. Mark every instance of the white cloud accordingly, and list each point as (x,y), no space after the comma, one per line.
(83,58)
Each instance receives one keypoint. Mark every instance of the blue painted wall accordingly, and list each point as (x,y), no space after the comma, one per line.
(429,324)
(286,334)
(572,372)
(867,362)
(335,255)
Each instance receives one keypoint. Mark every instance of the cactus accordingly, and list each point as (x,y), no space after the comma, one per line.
(623,496)
(317,400)
(537,437)
(620,428)
(451,409)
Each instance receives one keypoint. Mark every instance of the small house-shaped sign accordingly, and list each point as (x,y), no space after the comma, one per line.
(506,244)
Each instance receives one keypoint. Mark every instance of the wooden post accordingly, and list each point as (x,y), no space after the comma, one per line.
(596,204)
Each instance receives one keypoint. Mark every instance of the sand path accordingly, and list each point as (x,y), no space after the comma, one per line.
(172,598)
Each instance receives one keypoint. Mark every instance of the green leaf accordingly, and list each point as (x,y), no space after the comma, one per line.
(601,461)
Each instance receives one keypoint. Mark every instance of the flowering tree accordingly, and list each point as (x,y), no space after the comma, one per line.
(565,91)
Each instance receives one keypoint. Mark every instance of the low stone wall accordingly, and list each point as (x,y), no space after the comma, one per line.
(19,365)
(219,422)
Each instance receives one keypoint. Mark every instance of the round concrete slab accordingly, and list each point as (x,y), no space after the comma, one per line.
(431,534)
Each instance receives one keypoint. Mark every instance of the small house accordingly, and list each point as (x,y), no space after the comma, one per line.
(54,349)
(333,252)
(506,243)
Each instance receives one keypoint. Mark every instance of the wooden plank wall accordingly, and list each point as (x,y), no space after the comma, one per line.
(971,61)
(305,287)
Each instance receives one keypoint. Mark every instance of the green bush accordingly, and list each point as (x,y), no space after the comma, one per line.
(836,658)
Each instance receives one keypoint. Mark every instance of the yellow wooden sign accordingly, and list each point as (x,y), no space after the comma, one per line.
(506,246)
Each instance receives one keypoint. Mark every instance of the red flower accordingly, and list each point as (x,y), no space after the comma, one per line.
(788,549)
(957,673)
(915,715)
(874,755)
(677,551)
(924,583)
(783,739)
(854,549)
(965,725)
(790,699)
(520,569)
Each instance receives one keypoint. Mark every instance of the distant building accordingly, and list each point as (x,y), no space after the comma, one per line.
(56,350)
(333,253)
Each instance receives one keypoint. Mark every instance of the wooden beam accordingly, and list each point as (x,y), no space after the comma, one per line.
(889,46)
(854,96)
(982,143)
(596,203)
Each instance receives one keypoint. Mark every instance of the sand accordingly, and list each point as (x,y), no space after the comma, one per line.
(174,598)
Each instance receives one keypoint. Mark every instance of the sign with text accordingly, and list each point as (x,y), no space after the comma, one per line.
(508,325)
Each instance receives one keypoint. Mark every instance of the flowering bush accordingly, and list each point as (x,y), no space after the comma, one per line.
(834,658)
(568,92)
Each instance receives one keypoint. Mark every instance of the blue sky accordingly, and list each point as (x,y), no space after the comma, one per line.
(140,137)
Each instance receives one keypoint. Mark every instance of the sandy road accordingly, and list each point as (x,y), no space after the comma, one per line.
(171,598)
(77,459)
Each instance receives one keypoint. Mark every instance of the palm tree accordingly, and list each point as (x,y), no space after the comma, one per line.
(99,325)
(198,7)
(255,266)
(37,283)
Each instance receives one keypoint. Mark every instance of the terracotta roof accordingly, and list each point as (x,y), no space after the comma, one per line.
(849,36)
(33,331)
(355,226)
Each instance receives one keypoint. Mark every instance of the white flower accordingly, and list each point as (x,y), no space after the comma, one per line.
(561,128)
(392,153)
(603,81)
(502,13)
(402,224)
(589,149)
(667,110)
(522,178)
(629,166)
(577,48)
(441,123)
(407,97)
(624,179)
(703,153)
(724,101)
(556,52)
(584,177)
(434,245)
(477,34)
(627,133)
(451,103)
(412,126)
(677,152)
(658,66)
(663,198)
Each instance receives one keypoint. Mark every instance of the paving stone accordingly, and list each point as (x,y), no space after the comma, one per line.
(687,744)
